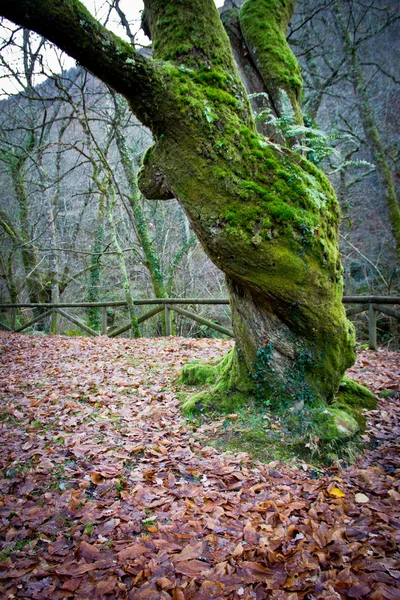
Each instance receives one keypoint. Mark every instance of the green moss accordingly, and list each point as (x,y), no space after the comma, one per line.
(334,423)
(198,374)
(279,211)
(354,399)
(355,395)
(212,76)
(215,401)
(357,414)
(220,96)
(312,435)
(190,34)
(230,385)
(264,25)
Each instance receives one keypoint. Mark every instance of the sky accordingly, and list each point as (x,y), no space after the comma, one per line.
(53,59)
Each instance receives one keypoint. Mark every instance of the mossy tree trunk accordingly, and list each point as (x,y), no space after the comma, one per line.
(19,230)
(93,315)
(151,257)
(126,284)
(265,216)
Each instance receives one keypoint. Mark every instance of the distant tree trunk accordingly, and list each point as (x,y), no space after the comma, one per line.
(151,257)
(29,254)
(126,284)
(52,285)
(369,125)
(8,274)
(94,284)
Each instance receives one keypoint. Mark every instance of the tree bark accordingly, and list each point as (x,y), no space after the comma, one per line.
(51,215)
(266,216)
(263,24)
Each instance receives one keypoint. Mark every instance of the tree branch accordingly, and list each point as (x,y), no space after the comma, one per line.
(70,26)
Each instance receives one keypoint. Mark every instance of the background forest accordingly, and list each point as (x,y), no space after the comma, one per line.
(74,226)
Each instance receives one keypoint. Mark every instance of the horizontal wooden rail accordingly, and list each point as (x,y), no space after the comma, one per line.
(201,320)
(371,299)
(372,304)
(387,311)
(141,319)
(140,302)
(356,310)
(144,301)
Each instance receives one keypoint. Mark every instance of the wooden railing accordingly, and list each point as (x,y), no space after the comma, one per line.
(168,305)
(372,304)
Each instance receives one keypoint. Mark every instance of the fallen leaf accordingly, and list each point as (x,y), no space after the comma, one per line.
(130,552)
(96,477)
(336,493)
(361,498)
(88,551)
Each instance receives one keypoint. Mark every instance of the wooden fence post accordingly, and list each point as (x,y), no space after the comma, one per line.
(13,318)
(54,323)
(167,316)
(104,320)
(372,314)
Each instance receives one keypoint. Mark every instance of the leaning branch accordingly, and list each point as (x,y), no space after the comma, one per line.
(70,26)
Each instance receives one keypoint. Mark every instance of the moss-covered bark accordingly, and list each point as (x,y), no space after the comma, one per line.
(265,215)
(263,24)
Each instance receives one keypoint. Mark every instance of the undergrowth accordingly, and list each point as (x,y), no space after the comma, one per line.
(269,435)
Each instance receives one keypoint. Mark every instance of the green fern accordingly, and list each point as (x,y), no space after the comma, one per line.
(353,163)
(310,141)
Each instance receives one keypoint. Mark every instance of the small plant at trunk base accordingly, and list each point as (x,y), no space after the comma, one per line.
(291,392)
(89,528)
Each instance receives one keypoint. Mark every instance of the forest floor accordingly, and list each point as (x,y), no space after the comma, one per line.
(106,491)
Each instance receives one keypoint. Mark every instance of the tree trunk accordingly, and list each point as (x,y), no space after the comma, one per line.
(29,253)
(369,125)
(94,285)
(126,284)
(51,215)
(141,225)
(265,215)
